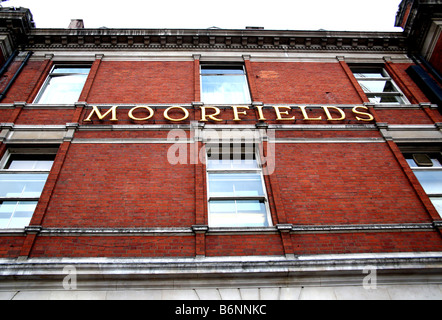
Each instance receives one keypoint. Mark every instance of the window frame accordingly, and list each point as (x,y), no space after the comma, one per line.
(20,200)
(53,74)
(225,66)
(397,93)
(428,150)
(258,170)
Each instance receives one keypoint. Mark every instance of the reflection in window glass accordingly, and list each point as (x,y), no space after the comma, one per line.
(224,85)
(16,214)
(378,86)
(430,180)
(238,213)
(228,164)
(30,162)
(235,184)
(427,168)
(63,86)
(22,185)
(22,179)
(437,202)
(236,189)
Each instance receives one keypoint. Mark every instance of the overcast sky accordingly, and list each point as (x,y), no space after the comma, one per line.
(335,15)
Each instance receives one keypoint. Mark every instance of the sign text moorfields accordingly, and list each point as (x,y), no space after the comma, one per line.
(213,113)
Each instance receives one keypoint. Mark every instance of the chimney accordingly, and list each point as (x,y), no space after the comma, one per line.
(76,24)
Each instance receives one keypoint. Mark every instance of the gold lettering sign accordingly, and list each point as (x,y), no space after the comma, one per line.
(236,112)
(204,116)
(282,113)
(279,113)
(166,114)
(306,117)
(95,110)
(355,110)
(151,113)
(330,117)
(261,115)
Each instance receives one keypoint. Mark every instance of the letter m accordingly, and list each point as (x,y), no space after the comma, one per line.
(100,116)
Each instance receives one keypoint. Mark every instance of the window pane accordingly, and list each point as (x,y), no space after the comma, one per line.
(225,89)
(63,89)
(436,162)
(430,180)
(22,185)
(16,214)
(225,164)
(30,162)
(7,208)
(437,202)
(377,86)
(31,165)
(374,74)
(238,213)
(70,70)
(235,185)
(221,70)
(386,99)
(411,162)
(433,157)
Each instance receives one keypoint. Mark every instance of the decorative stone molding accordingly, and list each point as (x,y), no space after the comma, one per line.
(215,39)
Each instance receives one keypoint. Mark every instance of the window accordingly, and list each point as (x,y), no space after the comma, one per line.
(22,178)
(224,85)
(428,169)
(236,190)
(63,85)
(378,86)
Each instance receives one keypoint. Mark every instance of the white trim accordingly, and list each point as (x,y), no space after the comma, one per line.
(317,270)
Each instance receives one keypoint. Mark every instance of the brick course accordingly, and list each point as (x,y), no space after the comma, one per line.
(148,246)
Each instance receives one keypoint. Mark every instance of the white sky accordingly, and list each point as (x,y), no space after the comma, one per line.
(334,15)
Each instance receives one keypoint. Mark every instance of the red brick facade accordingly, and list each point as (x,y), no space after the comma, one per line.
(132,185)
(340,183)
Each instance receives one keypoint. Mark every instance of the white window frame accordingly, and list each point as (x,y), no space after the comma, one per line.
(416,169)
(385,77)
(263,198)
(52,74)
(235,66)
(5,160)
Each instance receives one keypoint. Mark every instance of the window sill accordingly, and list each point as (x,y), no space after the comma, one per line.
(242,230)
(12,232)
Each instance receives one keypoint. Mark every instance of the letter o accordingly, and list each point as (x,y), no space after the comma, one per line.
(151,112)
(166,115)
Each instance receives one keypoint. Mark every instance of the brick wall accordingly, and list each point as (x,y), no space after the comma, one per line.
(132,185)
(121,185)
(26,83)
(45,116)
(346,183)
(107,246)
(143,82)
(242,245)
(366,242)
(10,246)
(303,83)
